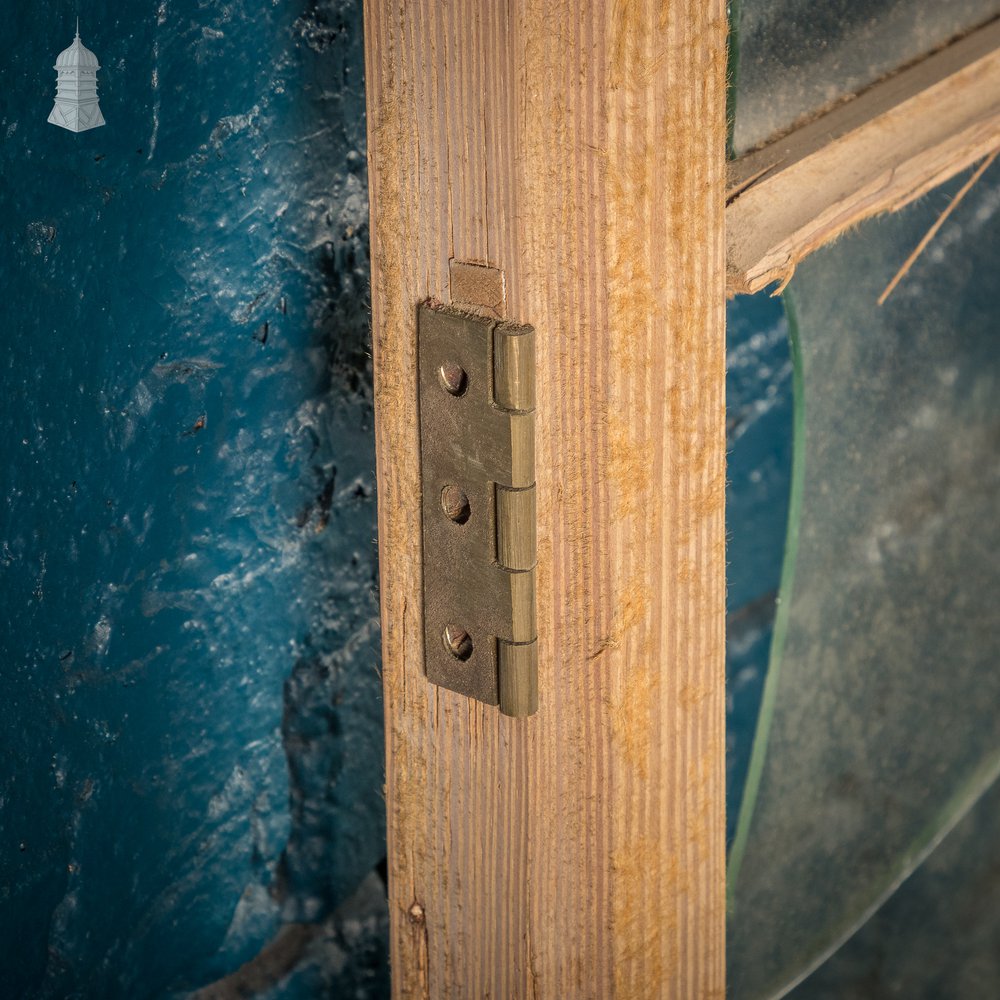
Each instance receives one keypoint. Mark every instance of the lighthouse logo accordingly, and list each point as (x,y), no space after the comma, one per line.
(76,106)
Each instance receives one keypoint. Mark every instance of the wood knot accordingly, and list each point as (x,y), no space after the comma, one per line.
(416,914)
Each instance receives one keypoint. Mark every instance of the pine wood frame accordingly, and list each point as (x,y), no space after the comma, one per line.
(874,153)
(579,148)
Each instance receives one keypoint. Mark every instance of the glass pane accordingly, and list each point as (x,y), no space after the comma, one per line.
(797,56)
(879,726)
(938,936)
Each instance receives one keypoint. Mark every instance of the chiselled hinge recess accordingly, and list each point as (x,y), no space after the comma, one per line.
(477,460)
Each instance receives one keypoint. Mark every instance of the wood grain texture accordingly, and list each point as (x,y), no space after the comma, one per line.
(580,148)
(873,154)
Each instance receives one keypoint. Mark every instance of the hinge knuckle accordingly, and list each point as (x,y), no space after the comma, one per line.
(518,677)
(514,367)
(516,541)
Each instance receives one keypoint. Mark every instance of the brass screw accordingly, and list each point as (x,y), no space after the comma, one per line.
(454,378)
(455,504)
(458,642)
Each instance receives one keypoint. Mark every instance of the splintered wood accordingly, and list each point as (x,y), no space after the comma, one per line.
(579,150)
(873,154)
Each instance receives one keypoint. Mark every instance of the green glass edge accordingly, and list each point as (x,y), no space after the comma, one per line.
(732,72)
(784,601)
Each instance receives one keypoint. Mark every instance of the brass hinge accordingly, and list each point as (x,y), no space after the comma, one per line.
(477,460)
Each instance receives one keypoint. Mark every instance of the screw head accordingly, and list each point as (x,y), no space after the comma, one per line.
(455,504)
(458,642)
(454,378)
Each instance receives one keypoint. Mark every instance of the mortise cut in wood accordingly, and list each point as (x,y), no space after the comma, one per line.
(478,288)
(872,154)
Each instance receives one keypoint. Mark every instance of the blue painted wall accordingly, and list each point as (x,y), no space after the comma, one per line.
(759,465)
(191,723)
